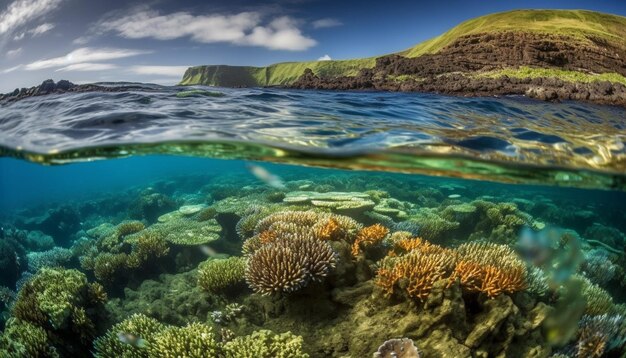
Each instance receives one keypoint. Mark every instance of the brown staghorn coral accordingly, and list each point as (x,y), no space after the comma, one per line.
(287,265)
(418,269)
(368,236)
(489,268)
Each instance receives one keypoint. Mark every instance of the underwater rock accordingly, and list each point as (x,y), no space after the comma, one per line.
(61,223)
(12,261)
(150,206)
(397,348)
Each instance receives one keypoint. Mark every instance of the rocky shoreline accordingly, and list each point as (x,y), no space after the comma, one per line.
(63,86)
(457,69)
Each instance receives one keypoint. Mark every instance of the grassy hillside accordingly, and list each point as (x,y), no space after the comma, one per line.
(273,75)
(576,23)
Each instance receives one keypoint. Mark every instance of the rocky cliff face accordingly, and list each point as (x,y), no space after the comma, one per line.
(456,68)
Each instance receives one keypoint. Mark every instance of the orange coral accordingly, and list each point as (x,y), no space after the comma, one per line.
(267,236)
(328,230)
(368,236)
(420,270)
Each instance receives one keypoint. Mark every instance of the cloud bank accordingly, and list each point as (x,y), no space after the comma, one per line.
(246,28)
(21,12)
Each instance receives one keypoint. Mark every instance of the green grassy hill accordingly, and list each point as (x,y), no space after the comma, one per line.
(580,24)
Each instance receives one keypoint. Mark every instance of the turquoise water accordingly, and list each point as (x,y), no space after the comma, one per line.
(272,223)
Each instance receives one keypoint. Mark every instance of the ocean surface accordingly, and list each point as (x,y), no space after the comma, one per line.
(211,222)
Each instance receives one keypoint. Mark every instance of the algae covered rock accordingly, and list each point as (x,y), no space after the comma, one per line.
(265,344)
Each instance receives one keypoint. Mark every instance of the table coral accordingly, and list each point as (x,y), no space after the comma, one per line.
(352,202)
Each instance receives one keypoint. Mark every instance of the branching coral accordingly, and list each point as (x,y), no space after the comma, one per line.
(289,264)
(215,275)
(598,334)
(368,236)
(489,268)
(417,271)
(137,325)
(195,340)
(61,302)
(57,256)
(24,339)
(265,344)
(598,301)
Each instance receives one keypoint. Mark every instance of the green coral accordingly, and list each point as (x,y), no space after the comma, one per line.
(51,295)
(431,225)
(63,304)
(196,340)
(598,300)
(24,339)
(138,325)
(215,275)
(265,344)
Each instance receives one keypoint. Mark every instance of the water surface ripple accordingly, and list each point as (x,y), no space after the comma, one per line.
(506,139)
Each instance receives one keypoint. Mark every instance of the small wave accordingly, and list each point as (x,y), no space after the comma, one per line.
(519,134)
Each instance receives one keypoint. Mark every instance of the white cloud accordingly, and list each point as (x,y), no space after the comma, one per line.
(14,52)
(324,58)
(87,66)
(20,12)
(245,28)
(280,34)
(174,71)
(11,69)
(81,40)
(84,55)
(327,22)
(43,28)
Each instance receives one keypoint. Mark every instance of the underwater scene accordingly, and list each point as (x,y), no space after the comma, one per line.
(186,255)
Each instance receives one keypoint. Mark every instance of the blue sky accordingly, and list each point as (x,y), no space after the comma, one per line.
(114,40)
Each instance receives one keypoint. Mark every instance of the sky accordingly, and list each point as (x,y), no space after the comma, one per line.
(155,41)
